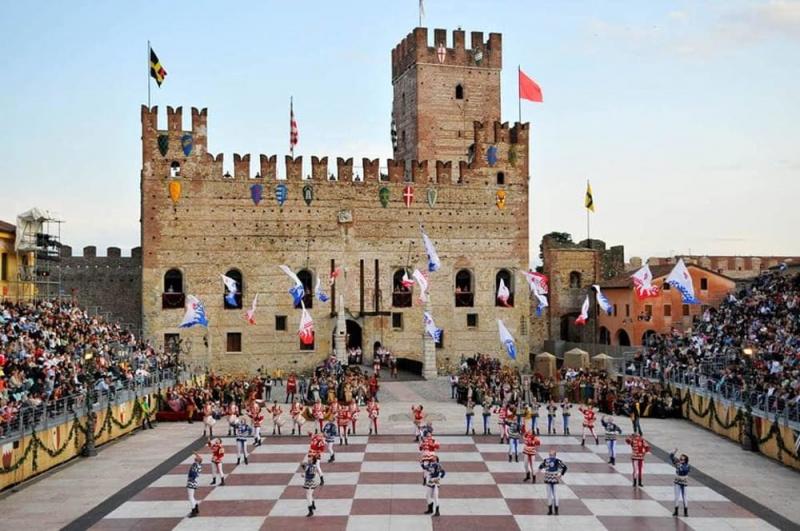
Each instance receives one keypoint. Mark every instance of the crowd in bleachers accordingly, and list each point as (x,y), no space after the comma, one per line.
(51,351)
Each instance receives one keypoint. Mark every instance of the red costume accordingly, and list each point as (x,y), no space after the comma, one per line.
(373,411)
(531,442)
(639,448)
(317,446)
(354,414)
(318,412)
(428,447)
(217,452)
(589,416)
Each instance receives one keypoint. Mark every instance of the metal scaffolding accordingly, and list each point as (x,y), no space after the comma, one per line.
(38,249)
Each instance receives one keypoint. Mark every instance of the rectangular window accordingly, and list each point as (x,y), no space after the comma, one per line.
(233,342)
(627,310)
(703,284)
(472,320)
(280,322)
(615,310)
(4,266)
(170,341)
(648,309)
(310,346)
(667,310)
(397,321)
(686,310)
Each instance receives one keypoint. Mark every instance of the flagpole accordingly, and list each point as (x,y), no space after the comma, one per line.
(291,116)
(519,92)
(148,75)
(588,226)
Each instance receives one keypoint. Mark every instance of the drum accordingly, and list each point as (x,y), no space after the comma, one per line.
(280,422)
(300,420)
(210,421)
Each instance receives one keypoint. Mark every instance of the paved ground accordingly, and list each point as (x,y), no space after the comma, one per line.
(139,482)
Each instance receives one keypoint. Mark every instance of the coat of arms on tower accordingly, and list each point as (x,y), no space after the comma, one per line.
(491,155)
(512,156)
(500,199)
(308,194)
(175,191)
(408,195)
(441,53)
(280,193)
(187,143)
(432,194)
(256,192)
(384,196)
(163,144)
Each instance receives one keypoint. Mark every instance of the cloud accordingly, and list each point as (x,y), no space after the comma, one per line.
(678,15)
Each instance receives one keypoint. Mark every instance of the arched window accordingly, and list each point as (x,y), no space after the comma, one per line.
(402,293)
(501,178)
(465,296)
(459,92)
(175,169)
(574,279)
(505,277)
(605,336)
(173,290)
(234,301)
(307,278)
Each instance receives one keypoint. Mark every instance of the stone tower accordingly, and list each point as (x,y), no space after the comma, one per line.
(439,91)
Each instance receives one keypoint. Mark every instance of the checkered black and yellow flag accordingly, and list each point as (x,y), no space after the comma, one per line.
(589,202)
(157,71)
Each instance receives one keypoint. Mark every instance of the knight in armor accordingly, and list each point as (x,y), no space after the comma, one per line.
(682,470)
(554,469)
(433,478)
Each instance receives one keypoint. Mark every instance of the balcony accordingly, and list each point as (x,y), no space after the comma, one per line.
(171,301)
(465,299)
(401,299)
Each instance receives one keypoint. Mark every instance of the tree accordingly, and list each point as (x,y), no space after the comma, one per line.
(560,238)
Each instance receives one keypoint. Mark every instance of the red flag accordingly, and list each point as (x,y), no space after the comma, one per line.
(528,89)
(292,128)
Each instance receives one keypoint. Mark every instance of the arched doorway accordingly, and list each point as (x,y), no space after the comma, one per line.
(569,330)
(623,339)
(605,336)
(648,337)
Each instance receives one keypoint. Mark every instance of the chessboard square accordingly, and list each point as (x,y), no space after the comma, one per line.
(221,523)
(658,469)
(156,509)
(447,445)
(595,479)
(468,478)
(170,493)
(386,506)
(495,448)
(268,468)
(602,448)
(696,494)
(378,478)
(331,478)
(263,492)
(136,524)
(451,457)
(469,491)
(567,440)
(504,466)
(236,480)
(537,491)
(328,492)
(609,491)
(458,439)
(476,506)
(358,440)
(644,523)
(173,480)
(605,507)
(727,524)
(394,522)
(340,507)
(276,458)
(579,457)
(290,523)
(349,457)
(300,449)
(478,466)
(390,491)
(559,523)
(391,466)
(230,508)
(456,522)
(400,456)
(726,509)
(391,448)
(540,507)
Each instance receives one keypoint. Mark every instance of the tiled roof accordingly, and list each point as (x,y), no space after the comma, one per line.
(7,227)
(659,272)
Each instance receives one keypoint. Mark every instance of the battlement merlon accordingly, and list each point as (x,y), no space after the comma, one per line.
(415,48)
(174,130)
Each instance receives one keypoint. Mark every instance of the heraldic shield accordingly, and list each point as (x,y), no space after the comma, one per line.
(308,194)
(384,195)
(256,192)
(491,155)
(175,191)
(280,193)
(512,156)
(163,144)
(432,195)
(187,143)
(500,199)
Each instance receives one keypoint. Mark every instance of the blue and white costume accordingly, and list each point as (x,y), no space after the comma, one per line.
(612,430)
(191,485)
(554,468)
(435,474)
(330,432)
(242,432)
(682,470)
(513,431)
(312,478)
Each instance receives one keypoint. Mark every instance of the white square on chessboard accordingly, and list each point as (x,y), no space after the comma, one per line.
(391,448)
(727,524)
(580,478)
(179,480)
(392,466)
(220,523)
(656,468)
(358,439)
(151,509)
(536,491)
(399,491)
(266,468)
(492,448)
(300,508)
(474,506)
(559,523)
(396,522)
(696,493)
(331,478)
(347,457)
(602,448)
(455,439)
(600,507)
(558,439)
(502,466)
(459,457)
(576,457)
(466,478)
(247,492)
(299,449)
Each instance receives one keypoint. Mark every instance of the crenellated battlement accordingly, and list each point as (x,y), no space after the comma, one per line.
(416,49)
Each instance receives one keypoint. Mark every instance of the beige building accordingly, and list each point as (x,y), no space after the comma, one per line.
(459,172)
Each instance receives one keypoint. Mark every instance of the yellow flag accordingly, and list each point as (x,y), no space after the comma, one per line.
(589,202)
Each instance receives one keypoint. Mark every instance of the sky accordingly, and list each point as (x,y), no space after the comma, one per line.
(683,114)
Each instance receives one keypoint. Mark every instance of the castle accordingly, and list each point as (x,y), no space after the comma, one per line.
(458,171)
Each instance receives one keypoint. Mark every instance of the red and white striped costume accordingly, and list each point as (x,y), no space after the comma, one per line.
(318,412)
(355,412)
(317,446)
(419,418)
(373,412)
(343,421)
(277,417)
(217,454)
(502,413)
(639,448)
(589,417)
(296,413)
(531,443)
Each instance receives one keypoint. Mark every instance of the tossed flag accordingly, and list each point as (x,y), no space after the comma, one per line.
(405,281)
(680,279)
(157,71)
(195,313)
(394,134)
(643,283)
(581,320)
(293,134)
(538,285)
(250,315)
(422,278)
(433,259)
(231,290)
(506,340)
(306,330)
(783,267)
(602,300)
(430,328)
(336,273)
(589,201)
(319,293)
(297,291)
(529,89)
(503,293)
